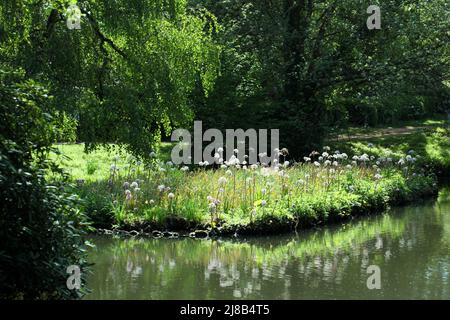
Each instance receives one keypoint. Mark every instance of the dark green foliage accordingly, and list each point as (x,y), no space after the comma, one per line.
(308,67)
(41,227)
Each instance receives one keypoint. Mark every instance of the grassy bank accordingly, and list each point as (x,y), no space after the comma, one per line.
(432,143)
(329,186)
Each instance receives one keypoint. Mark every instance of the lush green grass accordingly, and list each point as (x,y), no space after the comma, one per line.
(119,190)
(432,144)
(329,187)
(95,166)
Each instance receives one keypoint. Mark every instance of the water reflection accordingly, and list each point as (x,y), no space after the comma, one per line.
(410,245)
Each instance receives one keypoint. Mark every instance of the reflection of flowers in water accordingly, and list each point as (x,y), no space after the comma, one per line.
(135,271)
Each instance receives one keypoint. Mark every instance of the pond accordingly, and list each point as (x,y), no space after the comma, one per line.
(410,245)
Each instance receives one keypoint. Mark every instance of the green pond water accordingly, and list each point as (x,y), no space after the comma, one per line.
(410,245)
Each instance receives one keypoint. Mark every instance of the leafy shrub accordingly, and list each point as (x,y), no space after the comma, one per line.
(41,228)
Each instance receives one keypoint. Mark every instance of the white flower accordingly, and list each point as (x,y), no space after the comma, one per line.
(206,163)
(378,176)
(307,159)
(152,201)
(216,156)
(223,166)
(134,185)
(236,151)
(316,164)
(169,163)
(263,202)
(335,163)
(228,172)
(254,166)
(171,195)
(263,191)
(126,185)
(286,163)
(326,148)
(137,190)
(222,181)
(185,168)
(161,187)
(220,150)
(200,163)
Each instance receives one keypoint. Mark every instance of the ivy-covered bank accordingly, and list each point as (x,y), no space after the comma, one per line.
(236,198)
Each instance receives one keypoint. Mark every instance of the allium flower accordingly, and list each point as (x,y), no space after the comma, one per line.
(228,172)
(137,190)
(134,185)
(286,163)
(126,185)
(161,187)
(200,163)
(113,167)
(152,201)
(185,168)
(307,159)
(325,154)
(348,166)
(254,166)
(171,195)
(263,191)
(327,163)
(326,148)
(263,202)
(378,176)
(223,166)
(206,163)
(222,181)
(317,164)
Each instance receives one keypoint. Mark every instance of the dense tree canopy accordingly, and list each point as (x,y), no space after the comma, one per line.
(126,74)
(137,69)
(306,66)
